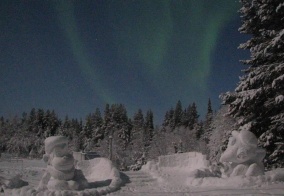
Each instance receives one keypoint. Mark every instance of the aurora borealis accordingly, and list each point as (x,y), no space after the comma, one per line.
(74,56)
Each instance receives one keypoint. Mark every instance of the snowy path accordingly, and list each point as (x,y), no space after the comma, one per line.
(141,183)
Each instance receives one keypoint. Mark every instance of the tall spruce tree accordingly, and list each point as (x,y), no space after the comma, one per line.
(178,113)
(107,115)
(98,120)
(169,120)
(97,132)
(207,127)
(258,101)
(121,128)
(193,116)
(166,119)
(89,126)
(138,131)
(51,123)
(149,125)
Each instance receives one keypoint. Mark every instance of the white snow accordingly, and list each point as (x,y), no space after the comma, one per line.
(184,161)
(178,176)
(276,176)
(281,5)
(170,180)
(100,172)
(246,127)
(278,81)
(279,99)
(100,169)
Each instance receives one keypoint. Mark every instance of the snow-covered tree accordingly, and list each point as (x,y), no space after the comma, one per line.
(138,131)
(193,116)
(98,120)
(118,128)
(149,126)
(178,113)
(209,114)
(51,123)
(4,134)
(76,139)
(177,117)
(207,125)
(137,147)
(64,127)
(169,119)
(222,125)
(93,128)
(258,101)
(107,125)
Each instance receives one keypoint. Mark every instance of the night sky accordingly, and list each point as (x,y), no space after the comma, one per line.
(75,56)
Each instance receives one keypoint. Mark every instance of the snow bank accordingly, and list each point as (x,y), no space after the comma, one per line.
(274,176)
(178,163)
(174,170)
(100,169)
(184,161)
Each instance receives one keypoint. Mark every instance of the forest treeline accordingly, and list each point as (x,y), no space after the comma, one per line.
(134,140)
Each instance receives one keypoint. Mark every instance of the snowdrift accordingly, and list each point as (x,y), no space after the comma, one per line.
(183,161)
(175,170)
(270,177)
(100,170)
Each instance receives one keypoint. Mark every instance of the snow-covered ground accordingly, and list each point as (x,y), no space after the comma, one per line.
(174,175)
(157,180)
(30,170)
(177,181)
(102,176)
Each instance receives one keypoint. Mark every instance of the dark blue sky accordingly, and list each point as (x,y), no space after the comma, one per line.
(74,56)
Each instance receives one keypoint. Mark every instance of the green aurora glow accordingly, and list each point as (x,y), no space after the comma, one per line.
(150,31)
(68,21)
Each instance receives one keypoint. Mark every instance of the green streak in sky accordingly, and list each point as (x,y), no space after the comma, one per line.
(67,20)
(156,37)
(204,21)
(209,41)
(193,30)
(153,31)
(170,42)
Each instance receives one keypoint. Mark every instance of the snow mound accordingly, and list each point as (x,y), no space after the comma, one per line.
(274,176)
(175,170)
(100,169)
(184,161)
